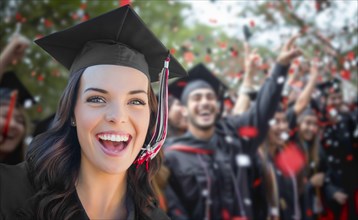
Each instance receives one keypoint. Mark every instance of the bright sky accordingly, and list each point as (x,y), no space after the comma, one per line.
(224,13)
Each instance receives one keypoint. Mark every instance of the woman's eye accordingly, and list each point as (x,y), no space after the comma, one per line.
(137,102)
(96,99)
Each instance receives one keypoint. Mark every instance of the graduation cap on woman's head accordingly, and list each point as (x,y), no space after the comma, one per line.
(121,38)
(118,37)
(198,77)
(9,83)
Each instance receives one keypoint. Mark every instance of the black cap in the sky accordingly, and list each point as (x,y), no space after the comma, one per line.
(11,82)
(118,37)
(199,72)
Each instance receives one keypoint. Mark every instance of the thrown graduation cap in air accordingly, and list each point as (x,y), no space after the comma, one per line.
(11,82)
(181,88)
(119,37)
(247,32)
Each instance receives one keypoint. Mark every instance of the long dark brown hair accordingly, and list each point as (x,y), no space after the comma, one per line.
(311,149)
(54,160)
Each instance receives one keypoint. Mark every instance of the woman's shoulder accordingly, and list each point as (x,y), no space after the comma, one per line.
(14,176)
(7,169)
(15,187)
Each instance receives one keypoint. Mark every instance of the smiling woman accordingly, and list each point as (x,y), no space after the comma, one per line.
(94,161)
(14,97)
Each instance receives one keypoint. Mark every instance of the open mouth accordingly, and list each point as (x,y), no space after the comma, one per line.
(114,144)
(204,113)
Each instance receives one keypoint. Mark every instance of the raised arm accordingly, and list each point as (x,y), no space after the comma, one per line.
(251,60)
(305,96)
(268,98)
(13,52)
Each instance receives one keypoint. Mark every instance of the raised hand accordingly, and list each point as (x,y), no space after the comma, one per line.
(317,179)
(14,50)
(314,67)
(252,59)
(340,197)
(289,52)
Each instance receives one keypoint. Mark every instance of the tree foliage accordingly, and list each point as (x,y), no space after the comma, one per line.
(190,42)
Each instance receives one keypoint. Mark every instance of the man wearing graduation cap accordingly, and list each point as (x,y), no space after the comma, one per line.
(98,158)
(14,96)
(207,180)
(339,144)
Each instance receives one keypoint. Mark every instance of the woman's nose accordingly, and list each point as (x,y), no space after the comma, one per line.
(116,114)
(281,125)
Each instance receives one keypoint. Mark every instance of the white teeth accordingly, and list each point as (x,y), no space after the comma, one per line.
(113,137)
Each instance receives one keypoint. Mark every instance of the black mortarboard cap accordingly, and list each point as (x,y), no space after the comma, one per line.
(247,32)
(11,82)
(199,72)
(331,86)
(118,37)
(176,88)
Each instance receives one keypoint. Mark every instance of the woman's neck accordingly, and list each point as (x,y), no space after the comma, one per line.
(102,195)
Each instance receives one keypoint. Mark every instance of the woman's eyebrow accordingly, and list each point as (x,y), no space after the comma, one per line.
(137,91)
(106,92)
(97,90)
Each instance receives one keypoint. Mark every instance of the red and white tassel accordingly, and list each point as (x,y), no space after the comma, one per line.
(160,132)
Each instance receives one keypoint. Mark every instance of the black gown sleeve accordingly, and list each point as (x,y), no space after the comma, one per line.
(263,110)
(15,190)
(176,208)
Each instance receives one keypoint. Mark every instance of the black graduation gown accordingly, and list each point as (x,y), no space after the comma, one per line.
(289,196)
(258,189)
(211,178)
(339,144)
(314,198)
(16,192)
(287,206)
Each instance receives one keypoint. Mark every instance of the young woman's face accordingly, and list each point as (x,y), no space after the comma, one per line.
(112,116)
(335,100)
(279,130)
(16,130)
(308,127)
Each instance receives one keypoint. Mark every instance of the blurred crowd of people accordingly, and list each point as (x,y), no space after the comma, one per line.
(276,153)
(280,152)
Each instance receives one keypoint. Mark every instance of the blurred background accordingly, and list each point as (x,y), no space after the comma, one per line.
(211,32)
